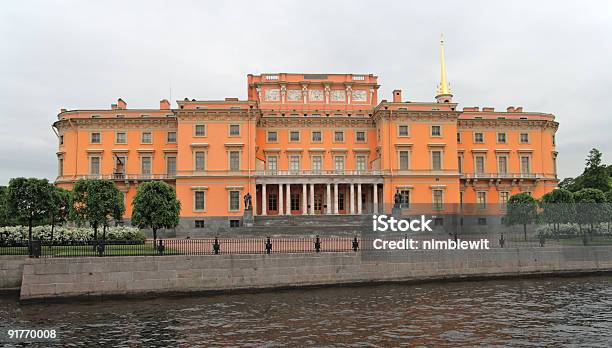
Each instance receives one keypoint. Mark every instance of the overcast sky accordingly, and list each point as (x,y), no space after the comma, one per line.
(552,56)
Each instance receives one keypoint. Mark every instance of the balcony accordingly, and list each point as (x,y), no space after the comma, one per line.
(119,177)
(320,172)
(509,176)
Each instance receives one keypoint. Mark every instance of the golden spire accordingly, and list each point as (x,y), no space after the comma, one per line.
(443,87)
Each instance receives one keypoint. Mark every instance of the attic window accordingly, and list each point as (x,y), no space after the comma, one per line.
(271,77)
(523,118)
(201,107)
(95,116)
(120,116)
(358,77)
(405,109)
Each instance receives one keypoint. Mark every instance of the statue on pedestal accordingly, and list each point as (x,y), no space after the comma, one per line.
(397,199)
(247,201)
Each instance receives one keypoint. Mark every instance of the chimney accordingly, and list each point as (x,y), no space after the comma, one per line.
(397,96)
(488,109)
(164,104)
(121,104)
(519,109)
(510,109)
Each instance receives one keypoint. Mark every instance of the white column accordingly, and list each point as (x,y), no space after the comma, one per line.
(304,200)
(312,199)
(288,200)
(352,199)
(358,198)
(328,198)
(375,198)
(280,199)
(264,199)
(335,198)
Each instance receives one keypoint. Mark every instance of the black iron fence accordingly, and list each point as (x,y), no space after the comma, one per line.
(273,245)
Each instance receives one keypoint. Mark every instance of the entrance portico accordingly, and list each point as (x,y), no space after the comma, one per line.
(318,196)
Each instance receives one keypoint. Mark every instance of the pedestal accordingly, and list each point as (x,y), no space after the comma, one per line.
(397,210)
(247,218)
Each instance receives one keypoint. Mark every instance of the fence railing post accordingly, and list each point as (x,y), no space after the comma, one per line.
(317,244)
(355,244)
(268,245)
(161,248)
(216,246)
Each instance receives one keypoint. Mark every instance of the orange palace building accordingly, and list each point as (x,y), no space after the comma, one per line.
(309,144)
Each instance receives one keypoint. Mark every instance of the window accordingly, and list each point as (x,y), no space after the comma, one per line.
(479,164)
(338,136)
(145,165)
(61,140)
(120,138)
(438,200)
(316,136)
(94,165)
(295,201)
(340,200)
(234,223)
(481,199)
(199,200)
(502,164)
(503,197)
(60,165)
(461,202)
(272,163)
(554,140)
(171,138)
(360,136)
(524,138)
(436,131)
(294,136)
(272,201)
(458,137)
(501,138)
(361,163)
(402,131)
(171,165)
(339,163)
(436,160)
(460,164)
(294,163)
(199,224)
(478,138)
(234,130)
(199,164)
(525,165)
(234,200)
(317,162)
(272,137)
(200,130)
(146,138)
(95,138)
(405,198)
(482,221)
(403,160)
(234,160)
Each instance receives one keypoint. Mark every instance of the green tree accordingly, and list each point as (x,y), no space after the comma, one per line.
(609,208)
(557,208)
(29,201)
(591,208)
(96,201)
(4,215)
(155,206)
(521,210)
(61,203)
(595,174)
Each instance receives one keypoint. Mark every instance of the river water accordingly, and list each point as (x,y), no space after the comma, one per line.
(527,312)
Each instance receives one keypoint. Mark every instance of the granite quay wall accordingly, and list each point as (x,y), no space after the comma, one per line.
(151,275)
(11,272)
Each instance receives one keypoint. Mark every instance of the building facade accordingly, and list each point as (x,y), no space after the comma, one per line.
(306,144)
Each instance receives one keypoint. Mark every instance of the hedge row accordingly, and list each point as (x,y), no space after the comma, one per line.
(10,234)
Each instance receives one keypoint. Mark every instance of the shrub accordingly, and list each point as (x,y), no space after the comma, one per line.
(11,234)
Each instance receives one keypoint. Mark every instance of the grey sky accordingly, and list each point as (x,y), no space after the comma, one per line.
(550,56)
